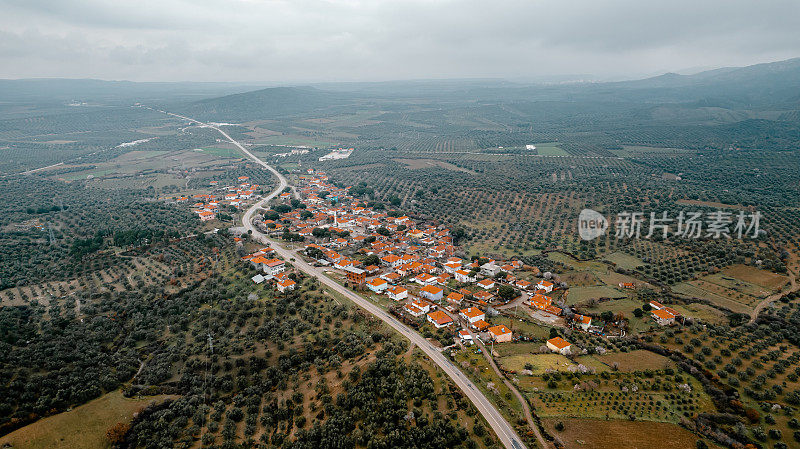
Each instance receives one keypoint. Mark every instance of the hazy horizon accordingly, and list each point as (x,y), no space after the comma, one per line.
(276,42)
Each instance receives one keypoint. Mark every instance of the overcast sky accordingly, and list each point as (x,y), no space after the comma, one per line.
(303,40)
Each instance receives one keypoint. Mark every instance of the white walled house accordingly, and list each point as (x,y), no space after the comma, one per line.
(397,293)
(547,286)
(559,345)
(432,292)
(464,276)
(274,266)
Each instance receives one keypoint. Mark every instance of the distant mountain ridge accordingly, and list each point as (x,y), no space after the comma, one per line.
(95,90)
(267,103)
(775,84)
(771,86)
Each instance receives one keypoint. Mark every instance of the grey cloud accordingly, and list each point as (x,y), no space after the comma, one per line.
(303,40)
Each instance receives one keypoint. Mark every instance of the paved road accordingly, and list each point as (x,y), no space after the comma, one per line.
(29,172)
(526,410)
(504,431)
(518,301)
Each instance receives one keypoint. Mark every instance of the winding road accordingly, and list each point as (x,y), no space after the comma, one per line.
(501,427)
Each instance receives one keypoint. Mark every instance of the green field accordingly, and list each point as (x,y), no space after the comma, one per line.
(624,305)
(608,401)
(595,265)
(580,294)
(222,152)
(83,427)
(550,149)
(685,288)
(624,260)
(517,348)
(634,151)
(738,285)
(289,166)
(702,312)
(540,363)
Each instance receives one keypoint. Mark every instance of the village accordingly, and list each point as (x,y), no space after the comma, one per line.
(409,267)
(207,205)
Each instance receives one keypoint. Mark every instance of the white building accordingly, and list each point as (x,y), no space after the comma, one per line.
(274,266)
(559,345)
(377,285)
(397,293)
(547,286)
(464,276)
(432,292)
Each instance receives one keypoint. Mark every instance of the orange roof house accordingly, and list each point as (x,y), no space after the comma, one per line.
(483,296)
(472,314)
(455,298)
(432,292)
(558,344)
(286,285)
(486,283)
(500,333)
(663,317)
(439,319)
(397,293)
(206,215)
(480,325)
(392,260)
(377,285)
(583,321)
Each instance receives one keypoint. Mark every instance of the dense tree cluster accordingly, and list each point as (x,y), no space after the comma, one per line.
(89,223)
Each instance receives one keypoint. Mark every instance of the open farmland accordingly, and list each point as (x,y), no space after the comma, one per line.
(623,260)
(693,291)
(617,396)
(636,360)
(752,275)
(550,149)
(604,434)
(110,283)
(578,295)
(536,363)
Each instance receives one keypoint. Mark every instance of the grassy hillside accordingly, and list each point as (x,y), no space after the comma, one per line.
(83,427)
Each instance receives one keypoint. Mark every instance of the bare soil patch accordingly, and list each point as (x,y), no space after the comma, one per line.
(599,434)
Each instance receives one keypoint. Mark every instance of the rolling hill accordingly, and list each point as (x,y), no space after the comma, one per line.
(268,103)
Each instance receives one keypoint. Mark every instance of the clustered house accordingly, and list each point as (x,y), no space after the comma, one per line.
(271,269)
(206,205)
(413,264)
